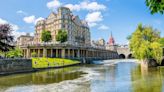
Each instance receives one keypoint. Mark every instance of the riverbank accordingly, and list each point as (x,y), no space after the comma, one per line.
(42,63)
(16,66)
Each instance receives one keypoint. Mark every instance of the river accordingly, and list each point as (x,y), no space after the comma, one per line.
(107,76)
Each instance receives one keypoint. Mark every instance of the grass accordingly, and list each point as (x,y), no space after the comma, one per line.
(51,62)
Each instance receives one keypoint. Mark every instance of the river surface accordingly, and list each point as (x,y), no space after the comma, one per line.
(107,76)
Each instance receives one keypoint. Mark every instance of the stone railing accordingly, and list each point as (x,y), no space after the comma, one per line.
(61,44)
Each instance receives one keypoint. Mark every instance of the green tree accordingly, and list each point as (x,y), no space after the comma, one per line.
(14,53)
(46,36)
(161,41)
(156,51)
(61,36)
(155,6)
(144,43)
(128,37)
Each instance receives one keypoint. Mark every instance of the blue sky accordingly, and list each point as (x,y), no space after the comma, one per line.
(119,16)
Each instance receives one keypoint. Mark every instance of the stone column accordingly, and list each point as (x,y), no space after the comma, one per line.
(51,53)
(78,53)
(69,53)
(44,52)
(24,53)
(57,53)
(73,53)
(63,53)
(28,53)
(38,52)
(86,53)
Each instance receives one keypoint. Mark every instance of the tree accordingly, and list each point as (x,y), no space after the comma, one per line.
(61,36)
(14,53)
(46,36)
(144,43)
(5,37)
(157,51)
(128,37)
(155,6)
(161,41)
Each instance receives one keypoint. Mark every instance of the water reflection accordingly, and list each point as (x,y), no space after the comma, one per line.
(42,77)
(147,80)
(128,77)
(113,78)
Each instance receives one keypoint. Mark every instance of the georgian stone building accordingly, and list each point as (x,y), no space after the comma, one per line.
(23,39)
(78,30)
(78,45)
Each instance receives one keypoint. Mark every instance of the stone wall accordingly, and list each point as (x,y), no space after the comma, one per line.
(9,66)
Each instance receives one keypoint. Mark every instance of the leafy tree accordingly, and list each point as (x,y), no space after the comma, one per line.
(161,41)
(155,6)
(157,51)
(5,37)
(14,53)
(46,36)
(128,37)
(144,43)
(61,36)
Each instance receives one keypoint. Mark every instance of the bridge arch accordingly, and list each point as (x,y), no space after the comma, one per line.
(122,56)
(162,63)
(130,56)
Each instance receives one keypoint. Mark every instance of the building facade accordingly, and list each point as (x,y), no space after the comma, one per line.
(78,30)
(78,45)
(24,39)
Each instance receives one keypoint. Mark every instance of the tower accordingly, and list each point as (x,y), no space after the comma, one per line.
(111,40)
(111,43)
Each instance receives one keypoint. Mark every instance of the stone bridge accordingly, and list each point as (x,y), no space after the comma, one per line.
(124,52)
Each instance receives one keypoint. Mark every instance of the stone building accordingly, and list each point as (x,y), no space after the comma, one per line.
(78,30)
(100,43)
(24,39)
(78,45)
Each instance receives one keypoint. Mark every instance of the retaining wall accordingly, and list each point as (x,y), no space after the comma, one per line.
(9,66)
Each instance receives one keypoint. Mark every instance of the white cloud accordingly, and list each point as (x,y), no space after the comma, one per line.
(93,6)
(86,5)
(32,19)
(21,12)
(73,7)
(103,27)
(92,24)
(93,18)
(15,27)
(3,21)
(38,19)
(54,4)
(29,19)
(17,34)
